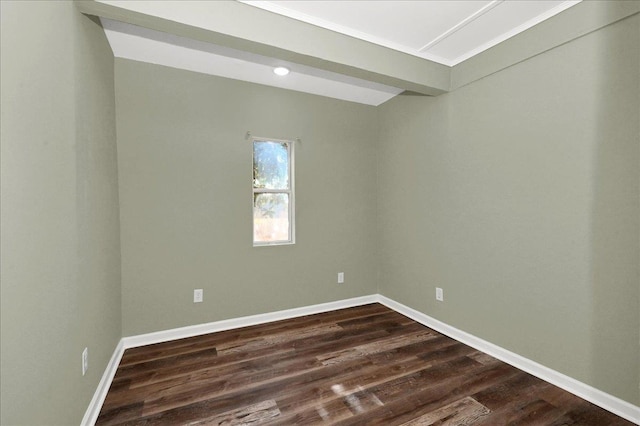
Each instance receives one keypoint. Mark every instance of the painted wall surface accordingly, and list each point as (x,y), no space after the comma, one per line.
(519,195)
(60,265)
(186,198)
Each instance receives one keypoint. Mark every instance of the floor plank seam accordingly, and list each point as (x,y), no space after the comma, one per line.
(357,366)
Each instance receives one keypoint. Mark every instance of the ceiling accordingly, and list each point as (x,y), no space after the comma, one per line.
(447,32)
(444,32)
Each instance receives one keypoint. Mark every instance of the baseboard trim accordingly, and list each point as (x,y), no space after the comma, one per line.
(91,415)
(602,399)
(212,327)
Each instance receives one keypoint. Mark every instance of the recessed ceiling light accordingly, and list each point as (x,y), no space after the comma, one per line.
(281,71)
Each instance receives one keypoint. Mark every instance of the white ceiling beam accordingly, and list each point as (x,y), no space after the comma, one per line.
(239,26)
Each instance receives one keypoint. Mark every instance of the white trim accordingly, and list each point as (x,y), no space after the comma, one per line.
(332,26)
(290,192)
(422,52)
(229,324)
(478,13)
(602,399)
(91,415)
(515,31)
(610,403)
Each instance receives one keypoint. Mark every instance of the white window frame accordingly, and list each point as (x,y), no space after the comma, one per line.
(290,192)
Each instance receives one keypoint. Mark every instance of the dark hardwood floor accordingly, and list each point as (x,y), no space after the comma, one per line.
(365,365)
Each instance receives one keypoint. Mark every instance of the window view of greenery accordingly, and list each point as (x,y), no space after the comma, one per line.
(271,192)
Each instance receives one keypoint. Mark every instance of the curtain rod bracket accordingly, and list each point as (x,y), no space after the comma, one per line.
(248,136)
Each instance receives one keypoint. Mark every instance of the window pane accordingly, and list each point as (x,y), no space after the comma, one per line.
(270,165)
(270,217)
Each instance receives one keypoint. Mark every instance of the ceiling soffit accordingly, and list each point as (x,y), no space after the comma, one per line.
(235,25)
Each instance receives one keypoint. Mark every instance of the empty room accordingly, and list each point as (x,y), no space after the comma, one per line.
(320,212)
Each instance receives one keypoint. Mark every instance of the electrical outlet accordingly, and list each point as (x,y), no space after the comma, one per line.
(340,277)
(85,361)
(198,295)
(439,294)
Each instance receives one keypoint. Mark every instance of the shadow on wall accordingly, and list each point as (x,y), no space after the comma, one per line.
(615,212)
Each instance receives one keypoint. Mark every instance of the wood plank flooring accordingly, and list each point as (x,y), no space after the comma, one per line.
(360,366)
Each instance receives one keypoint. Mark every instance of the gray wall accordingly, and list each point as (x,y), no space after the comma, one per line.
(60,265)
(518,195)
(186,205)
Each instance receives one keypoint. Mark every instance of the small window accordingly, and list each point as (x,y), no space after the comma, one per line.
(273,204)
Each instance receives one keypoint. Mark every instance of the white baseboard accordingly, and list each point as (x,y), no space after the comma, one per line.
(602,399)
(212,327)
(91,415)
(589,393)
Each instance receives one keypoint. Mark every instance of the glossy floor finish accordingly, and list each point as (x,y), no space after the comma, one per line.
(365,365)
